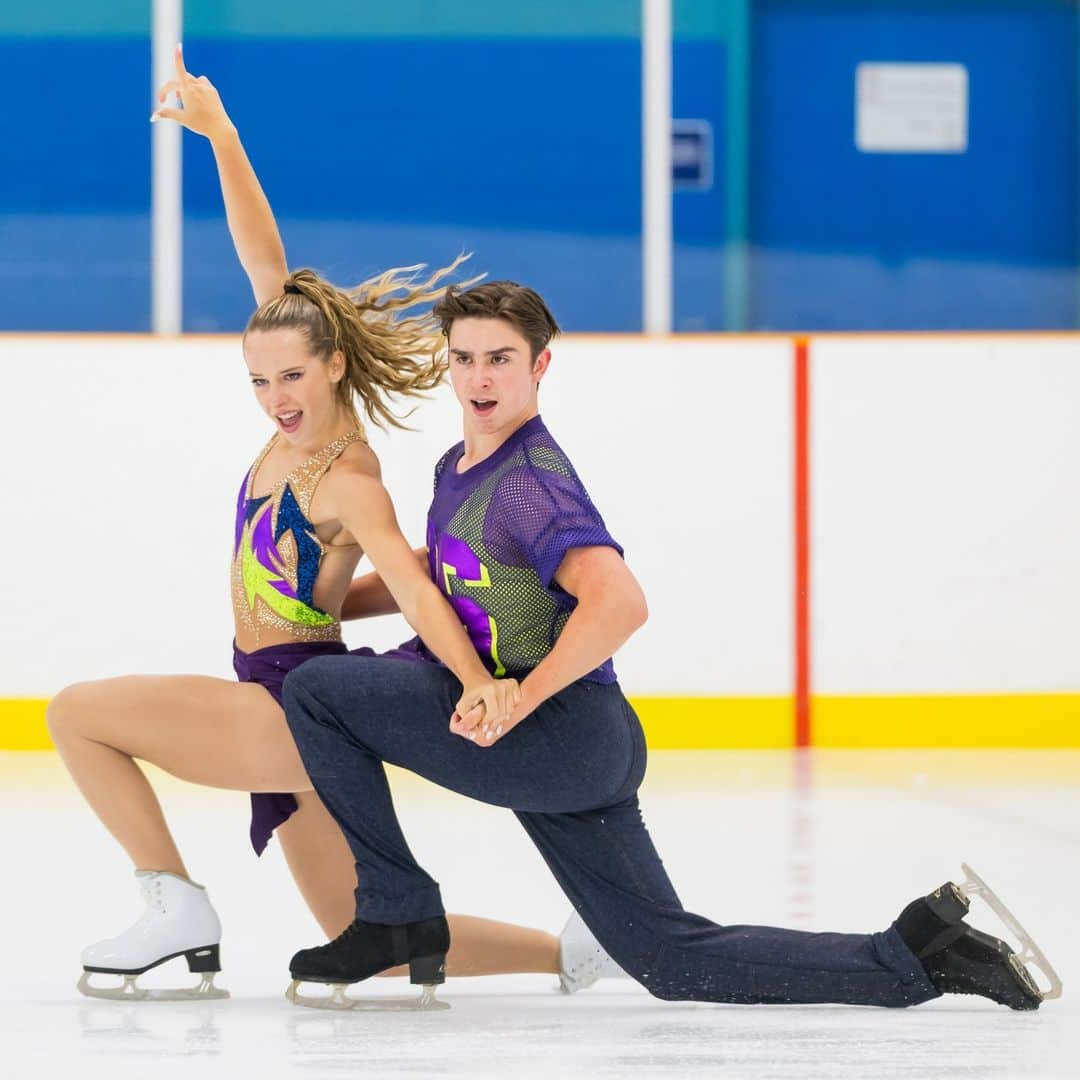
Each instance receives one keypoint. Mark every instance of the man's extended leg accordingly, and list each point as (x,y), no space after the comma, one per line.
(571,771)
(606,863)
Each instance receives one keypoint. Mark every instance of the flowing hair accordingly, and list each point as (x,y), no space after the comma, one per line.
(389,348)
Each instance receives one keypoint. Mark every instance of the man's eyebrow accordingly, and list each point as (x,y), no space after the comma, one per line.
(490,352)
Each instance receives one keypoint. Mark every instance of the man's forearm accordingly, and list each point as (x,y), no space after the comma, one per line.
(592,634)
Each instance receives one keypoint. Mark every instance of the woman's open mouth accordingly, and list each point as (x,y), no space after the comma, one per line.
(289,421)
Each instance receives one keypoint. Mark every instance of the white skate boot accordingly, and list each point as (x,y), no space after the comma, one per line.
(583,959)
(178,921)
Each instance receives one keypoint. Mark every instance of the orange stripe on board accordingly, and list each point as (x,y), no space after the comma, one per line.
(802,541)
(720,337)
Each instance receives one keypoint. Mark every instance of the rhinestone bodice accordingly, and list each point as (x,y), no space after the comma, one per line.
(277,553)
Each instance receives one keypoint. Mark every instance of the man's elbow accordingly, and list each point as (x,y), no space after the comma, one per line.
(633,611)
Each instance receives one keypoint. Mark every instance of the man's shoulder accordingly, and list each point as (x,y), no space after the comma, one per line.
(541,479)
(542,453)
(454,452)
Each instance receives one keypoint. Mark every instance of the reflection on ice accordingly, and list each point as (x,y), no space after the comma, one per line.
(126,1029)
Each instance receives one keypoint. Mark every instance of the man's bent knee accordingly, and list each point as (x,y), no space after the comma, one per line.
(300,690)
(310,676)
(319,685)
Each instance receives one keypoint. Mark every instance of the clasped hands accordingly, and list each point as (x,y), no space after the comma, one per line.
(488,710)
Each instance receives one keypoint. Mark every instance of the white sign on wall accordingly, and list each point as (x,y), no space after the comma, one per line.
(911,108)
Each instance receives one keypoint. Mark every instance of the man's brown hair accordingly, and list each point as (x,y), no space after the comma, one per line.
(522,307)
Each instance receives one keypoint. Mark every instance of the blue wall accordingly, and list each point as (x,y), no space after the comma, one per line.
(75,184)
(499,132)
(700,225)
(984,239)
(541,188)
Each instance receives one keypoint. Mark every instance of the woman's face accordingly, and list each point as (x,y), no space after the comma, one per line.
(295,389)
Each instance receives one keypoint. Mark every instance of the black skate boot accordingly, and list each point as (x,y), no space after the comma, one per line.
(366,949)
(961,960)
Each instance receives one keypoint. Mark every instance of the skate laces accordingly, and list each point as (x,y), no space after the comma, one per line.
(151,894)
(350,931)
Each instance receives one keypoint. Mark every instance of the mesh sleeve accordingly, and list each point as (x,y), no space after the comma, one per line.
(535,517)
(440,465)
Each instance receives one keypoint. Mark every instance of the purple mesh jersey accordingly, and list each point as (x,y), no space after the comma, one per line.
(496,536)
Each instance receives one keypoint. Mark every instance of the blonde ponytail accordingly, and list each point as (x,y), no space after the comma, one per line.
(388,352)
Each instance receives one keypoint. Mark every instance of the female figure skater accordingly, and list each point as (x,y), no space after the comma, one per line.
(309,506)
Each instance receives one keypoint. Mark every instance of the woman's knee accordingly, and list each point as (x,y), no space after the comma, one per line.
(67,709)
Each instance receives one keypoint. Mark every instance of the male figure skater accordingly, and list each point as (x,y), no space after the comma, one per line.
(516,543)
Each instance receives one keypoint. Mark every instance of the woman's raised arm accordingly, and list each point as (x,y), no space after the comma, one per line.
(247,210)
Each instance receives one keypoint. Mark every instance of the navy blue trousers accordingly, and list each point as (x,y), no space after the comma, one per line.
(570,772)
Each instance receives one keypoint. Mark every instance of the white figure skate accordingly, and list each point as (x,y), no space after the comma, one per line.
(178,921)
(582,958)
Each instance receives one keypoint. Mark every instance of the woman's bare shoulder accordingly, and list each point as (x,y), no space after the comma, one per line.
(355,473)
(357,459)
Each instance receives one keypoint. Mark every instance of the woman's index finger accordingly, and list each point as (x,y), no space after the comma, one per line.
(181,71)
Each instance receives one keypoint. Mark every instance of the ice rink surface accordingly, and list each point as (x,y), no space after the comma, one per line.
(830,840)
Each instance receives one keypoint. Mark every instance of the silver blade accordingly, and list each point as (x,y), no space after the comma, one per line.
(340,1001)
(130,990)
(1029,952)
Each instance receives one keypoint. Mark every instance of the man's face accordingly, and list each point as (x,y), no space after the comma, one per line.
(494,375)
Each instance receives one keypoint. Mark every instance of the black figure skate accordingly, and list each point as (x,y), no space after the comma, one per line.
(962,960)
(366,949)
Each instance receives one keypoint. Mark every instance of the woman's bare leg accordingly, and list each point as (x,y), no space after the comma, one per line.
(321,863)
(209,731)
(233,735)
(323,868)
(487,947)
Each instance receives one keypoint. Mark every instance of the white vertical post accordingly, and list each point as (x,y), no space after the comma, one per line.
(167,209)
(656,227)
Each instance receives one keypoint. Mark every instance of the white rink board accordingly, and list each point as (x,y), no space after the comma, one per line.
(125,455)
(946,527)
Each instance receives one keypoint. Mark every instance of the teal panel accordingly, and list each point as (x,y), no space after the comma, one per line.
(693,20)
(708,20)
(76,18)
(413,18)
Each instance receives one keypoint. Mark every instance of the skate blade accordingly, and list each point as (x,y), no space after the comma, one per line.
(1028,953)
(340,1001)
(130,990)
